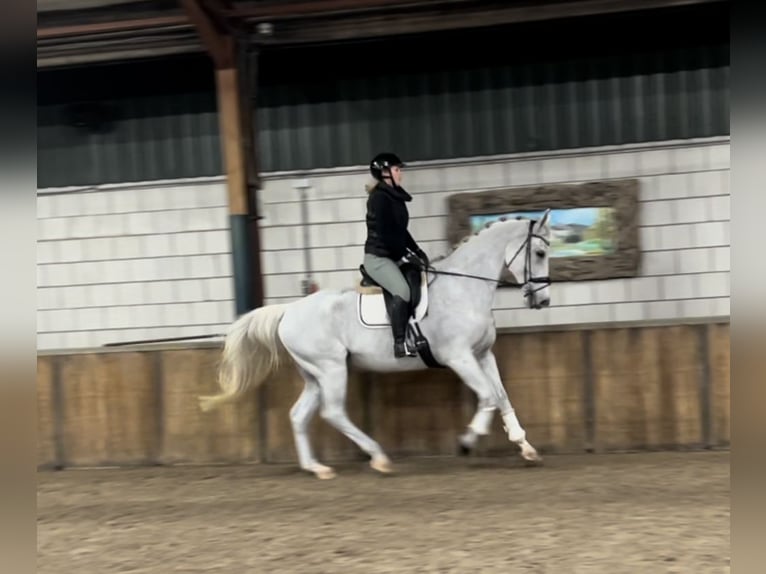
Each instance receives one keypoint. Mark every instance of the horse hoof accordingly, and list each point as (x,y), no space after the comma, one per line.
(323,472)
(382,464)
(531,457)
(463,450)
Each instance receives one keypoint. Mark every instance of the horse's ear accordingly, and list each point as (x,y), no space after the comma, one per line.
(544,219)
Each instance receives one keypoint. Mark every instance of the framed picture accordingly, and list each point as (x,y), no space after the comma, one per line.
(594,225)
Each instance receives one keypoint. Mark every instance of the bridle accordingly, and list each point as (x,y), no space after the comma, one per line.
(528,279)
(528,291)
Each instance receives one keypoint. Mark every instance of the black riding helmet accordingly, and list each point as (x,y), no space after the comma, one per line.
(384,161)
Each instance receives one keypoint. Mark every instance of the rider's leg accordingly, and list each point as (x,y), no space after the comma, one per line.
(387,274)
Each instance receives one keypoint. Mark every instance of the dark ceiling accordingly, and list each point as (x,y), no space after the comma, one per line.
(91,31)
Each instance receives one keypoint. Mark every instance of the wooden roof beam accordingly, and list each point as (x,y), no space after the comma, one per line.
(219,43)
(286,9)
(281,9)
(454,17)
(451,11)
(114,26)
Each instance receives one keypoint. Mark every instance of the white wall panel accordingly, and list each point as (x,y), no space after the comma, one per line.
(154,260)
(129,262)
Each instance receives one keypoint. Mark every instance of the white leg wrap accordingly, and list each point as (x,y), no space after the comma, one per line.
(515,432)
(481,421)
(469,438)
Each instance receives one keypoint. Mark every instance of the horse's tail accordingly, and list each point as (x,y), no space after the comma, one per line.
(251,352)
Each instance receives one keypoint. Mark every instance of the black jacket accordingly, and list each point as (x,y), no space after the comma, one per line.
(387,221)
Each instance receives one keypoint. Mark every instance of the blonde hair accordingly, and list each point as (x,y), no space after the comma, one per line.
(370,185)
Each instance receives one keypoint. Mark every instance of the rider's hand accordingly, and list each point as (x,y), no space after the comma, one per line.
(423,257)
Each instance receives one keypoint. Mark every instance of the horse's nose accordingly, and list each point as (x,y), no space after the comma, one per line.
(545,302)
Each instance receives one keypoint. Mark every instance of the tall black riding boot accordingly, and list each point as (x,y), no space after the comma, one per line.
(400,314)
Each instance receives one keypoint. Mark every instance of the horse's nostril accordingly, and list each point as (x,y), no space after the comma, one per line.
(545,302)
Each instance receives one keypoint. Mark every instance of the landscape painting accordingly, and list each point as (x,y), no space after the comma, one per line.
(576,232)
(594,224)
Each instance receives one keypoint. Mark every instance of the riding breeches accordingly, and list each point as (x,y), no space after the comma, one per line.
(387,274)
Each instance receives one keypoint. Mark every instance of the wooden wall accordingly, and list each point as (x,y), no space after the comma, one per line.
(598,390)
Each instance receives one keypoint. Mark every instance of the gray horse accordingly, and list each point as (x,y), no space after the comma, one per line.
(320,331)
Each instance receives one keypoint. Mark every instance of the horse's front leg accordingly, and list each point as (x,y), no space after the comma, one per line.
(516,432)
(481,421)
(470,373)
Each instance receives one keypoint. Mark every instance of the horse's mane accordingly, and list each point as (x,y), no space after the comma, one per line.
(470,236)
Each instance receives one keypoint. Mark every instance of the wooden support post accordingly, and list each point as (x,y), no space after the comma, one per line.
(235,135)
(231,136)
(231,141)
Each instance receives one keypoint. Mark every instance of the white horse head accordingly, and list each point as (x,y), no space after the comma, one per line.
(321,331)
(529,263)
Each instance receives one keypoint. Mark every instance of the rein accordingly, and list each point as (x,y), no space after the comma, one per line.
(527,264)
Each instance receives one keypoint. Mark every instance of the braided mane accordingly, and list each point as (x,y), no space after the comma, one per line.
(468,238)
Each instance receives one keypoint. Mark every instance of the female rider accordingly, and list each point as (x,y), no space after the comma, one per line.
(389,243)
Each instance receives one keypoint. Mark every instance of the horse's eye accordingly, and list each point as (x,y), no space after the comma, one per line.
(540,253)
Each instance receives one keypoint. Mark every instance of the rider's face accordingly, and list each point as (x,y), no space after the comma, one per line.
(396,175)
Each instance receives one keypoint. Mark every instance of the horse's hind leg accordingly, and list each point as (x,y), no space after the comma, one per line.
(333,382)
(301,414)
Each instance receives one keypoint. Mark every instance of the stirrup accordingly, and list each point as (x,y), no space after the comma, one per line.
(408,350)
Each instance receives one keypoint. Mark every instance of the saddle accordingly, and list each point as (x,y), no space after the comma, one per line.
(412,274)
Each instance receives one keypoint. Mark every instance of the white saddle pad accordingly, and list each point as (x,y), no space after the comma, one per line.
(372,307)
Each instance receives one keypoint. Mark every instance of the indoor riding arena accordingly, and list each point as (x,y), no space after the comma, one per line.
(201,159)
